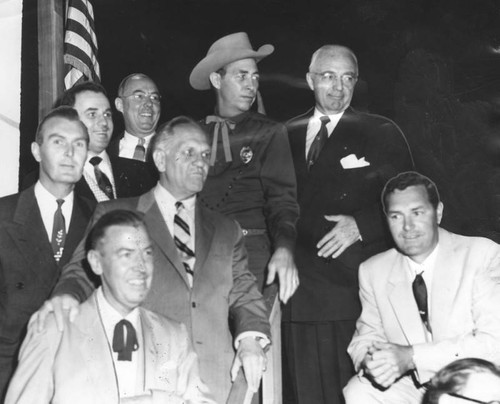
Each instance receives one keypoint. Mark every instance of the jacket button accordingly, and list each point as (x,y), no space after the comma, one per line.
(193,304)
(20,285)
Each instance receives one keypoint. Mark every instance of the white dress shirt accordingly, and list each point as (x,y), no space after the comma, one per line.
(89,175)
(128,373)
(47,203)
(128,143)
(314,126)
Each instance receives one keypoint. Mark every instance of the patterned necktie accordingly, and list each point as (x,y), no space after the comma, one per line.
(58,232)
(420,293)
(318,142)
(102,179)
(123,344)
(140,150)
(182,239)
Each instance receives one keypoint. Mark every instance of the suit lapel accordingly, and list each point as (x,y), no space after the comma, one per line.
(31,238)
(158,231)
(445,283)
(97,352)
(401,298)
(149,349)
(203,239)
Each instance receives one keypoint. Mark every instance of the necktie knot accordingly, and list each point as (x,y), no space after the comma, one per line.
(125,340)
(59,203)
(324,120)
(95,161)
(178,206)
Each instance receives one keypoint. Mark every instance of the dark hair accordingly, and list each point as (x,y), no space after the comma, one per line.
(124,82)
(167,130)
(408,179)
(69,96)
(64,112)
(119,217)
(453,377)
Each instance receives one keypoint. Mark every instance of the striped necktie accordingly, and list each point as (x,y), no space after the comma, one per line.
(183,241)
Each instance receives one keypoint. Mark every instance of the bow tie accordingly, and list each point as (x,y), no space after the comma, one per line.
(124,347)
(221,125)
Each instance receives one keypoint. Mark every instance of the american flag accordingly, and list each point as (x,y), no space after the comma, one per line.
(80,44)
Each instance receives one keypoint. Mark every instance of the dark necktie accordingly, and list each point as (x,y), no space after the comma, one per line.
(318,142)
(102,179)
(420,293)
(223,126)
(140,150)
(124,345)
(182,236)
(58,232)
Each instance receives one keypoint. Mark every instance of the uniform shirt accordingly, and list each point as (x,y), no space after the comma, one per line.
(257,188)
(47,203)
(128,373)
(314,126)
(128,143)
(89,175)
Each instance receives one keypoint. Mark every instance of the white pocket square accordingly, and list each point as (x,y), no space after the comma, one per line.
(351,161)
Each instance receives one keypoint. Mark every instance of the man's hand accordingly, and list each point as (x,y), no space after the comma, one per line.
(344,234)
(283,264)
(251,355)
(385,363)
(56,305)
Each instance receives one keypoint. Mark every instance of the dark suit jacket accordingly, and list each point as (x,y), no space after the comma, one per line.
(223,288)
(328,288)
(28,271)
(132,178)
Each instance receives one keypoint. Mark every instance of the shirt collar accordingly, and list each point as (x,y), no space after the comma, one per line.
(333,117)
(128,138)
(164,197)
(427,265)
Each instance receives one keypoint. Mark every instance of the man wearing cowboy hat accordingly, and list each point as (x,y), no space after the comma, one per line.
(251,177)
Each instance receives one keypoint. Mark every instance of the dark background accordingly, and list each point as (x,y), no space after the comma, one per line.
(432,66)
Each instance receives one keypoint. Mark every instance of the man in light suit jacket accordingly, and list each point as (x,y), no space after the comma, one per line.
(220,290)
(431,301)
(153,363)
(341,223)
(29,266)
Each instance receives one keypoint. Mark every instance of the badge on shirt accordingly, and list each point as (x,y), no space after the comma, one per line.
(246,154)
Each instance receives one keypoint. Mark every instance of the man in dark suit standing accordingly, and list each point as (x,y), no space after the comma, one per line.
(342,160)
(105,176)
(39,229)
(202,277)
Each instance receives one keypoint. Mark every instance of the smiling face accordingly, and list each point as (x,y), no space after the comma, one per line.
(332,76)
(124,260)
(182,160)
(140,105)
(237,87)
(413,221)
(61,153)
(95,112)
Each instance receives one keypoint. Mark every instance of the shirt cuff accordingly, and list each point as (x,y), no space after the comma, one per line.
(260,337)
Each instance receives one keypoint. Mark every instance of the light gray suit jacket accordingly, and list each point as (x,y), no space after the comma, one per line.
(464,309)
(223,289)
(76,366)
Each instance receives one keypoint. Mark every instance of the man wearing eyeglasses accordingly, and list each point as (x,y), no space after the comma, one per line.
(342,160)
(139,101)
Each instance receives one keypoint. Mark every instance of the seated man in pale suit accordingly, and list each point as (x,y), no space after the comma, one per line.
(113,351)
(433,299)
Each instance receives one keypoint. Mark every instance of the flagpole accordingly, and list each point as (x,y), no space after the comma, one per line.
(50,53)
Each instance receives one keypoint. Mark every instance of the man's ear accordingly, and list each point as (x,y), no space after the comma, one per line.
(215,79)
(439,212)
(310,81)
(119,104)
(35,151)
(94,259)
(159,159)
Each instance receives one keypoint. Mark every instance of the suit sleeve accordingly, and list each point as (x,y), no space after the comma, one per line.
(246,304)
(280,187)
(369,326)
(483,341)
(390,155)
(77,279)
(33,380)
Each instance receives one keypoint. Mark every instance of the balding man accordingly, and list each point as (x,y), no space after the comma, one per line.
(342,160)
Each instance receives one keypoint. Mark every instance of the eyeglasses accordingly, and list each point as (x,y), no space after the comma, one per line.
(190,155)
(348,80)
(141,97)
(473,400)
